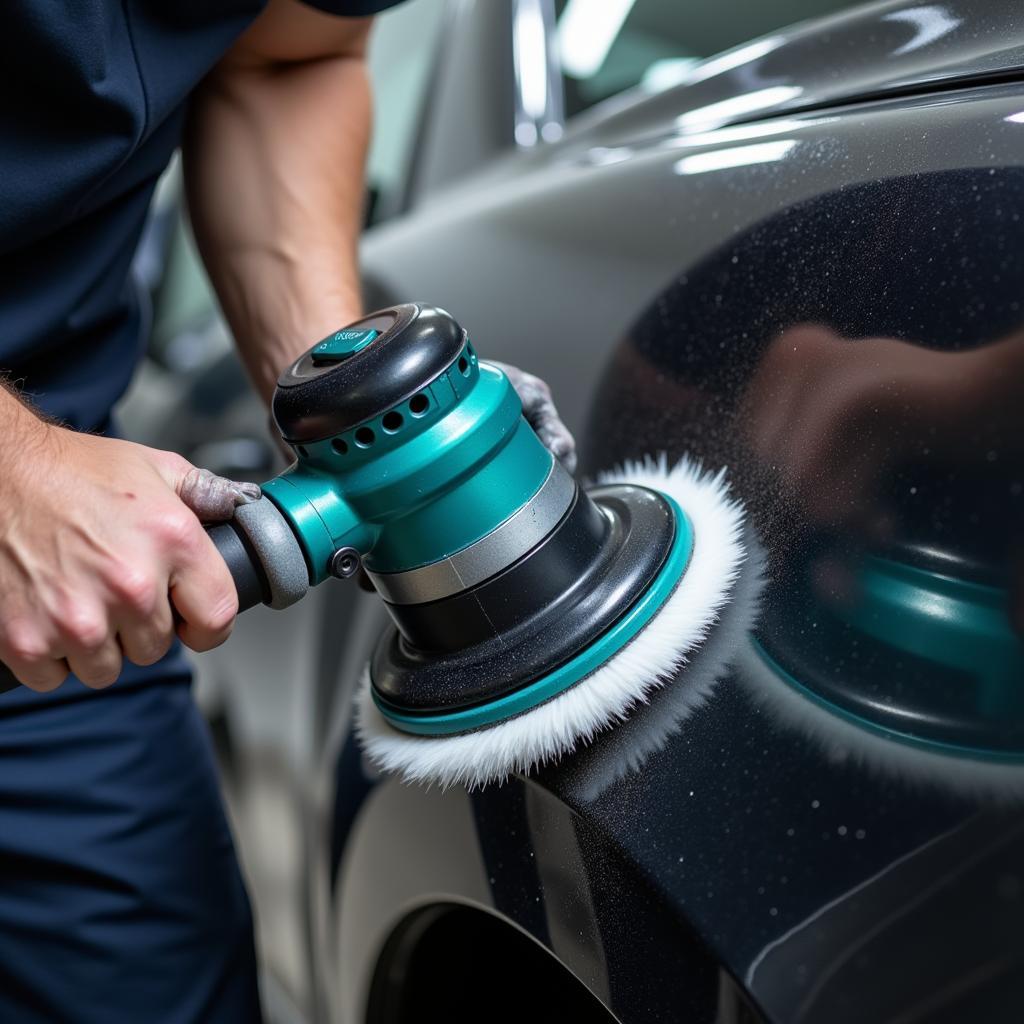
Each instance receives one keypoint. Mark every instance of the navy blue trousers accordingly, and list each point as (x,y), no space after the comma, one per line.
(120,894)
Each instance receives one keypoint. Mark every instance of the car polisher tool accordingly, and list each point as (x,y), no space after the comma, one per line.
(527,613)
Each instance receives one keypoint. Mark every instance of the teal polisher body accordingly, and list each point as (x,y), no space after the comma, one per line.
(413,460)
(507,583)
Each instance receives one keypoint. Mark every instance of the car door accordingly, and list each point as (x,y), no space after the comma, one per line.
(802,263)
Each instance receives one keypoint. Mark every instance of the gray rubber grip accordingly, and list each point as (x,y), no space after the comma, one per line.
(271,543)
(246,570)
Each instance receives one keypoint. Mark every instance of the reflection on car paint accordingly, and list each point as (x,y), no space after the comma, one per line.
(869,938)
(723,111)
(876,435)
(930,21)
(735,156)
(853,361)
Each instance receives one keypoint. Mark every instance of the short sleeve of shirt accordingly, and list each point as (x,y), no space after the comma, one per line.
(351,8)
(93,96)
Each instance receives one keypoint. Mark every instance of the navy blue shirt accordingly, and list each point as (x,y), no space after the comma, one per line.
(92,99)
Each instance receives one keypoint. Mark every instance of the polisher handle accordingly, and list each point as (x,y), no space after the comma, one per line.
(263,555)
(250,581)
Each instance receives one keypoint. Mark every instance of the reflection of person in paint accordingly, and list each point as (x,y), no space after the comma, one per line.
(831,415)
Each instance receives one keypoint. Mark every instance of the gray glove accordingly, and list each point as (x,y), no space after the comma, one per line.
(214,498)
(540,412)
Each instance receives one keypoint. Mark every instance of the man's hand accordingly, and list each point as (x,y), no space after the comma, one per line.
(100,556)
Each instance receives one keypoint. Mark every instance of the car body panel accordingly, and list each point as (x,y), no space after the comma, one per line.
(867,52)
(749,830)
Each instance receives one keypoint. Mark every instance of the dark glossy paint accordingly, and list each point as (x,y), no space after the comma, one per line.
(834,871)
(842,889)
(867,399)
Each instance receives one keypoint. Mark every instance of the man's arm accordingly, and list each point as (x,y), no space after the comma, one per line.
(274,154)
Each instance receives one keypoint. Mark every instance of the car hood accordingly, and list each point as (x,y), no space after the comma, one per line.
(870,52)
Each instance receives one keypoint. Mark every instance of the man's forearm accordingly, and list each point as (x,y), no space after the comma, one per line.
(274,159)
(23,429)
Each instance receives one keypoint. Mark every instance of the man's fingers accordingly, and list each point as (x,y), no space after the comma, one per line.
(141,610)
(97,667)
(41,676)
(89,644)
(204,595)
(146,640)
(29,654)
(146,646)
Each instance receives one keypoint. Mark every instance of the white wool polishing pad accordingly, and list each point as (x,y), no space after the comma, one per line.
(605,697)
(626,748)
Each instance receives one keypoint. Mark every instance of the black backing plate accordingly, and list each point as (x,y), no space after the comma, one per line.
(556,600)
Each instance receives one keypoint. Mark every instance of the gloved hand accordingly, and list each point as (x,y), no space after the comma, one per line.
(214,498)
(540,412)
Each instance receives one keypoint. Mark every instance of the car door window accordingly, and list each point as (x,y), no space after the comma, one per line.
(607,46)
(403,48)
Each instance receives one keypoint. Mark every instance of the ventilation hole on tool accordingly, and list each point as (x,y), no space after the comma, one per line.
(464,366)
(392,421)
(365,437)
(301,451)
(339,446)
(470,352)
(419,404)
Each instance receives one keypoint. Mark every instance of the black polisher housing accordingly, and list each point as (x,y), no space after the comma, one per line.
(495,638)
